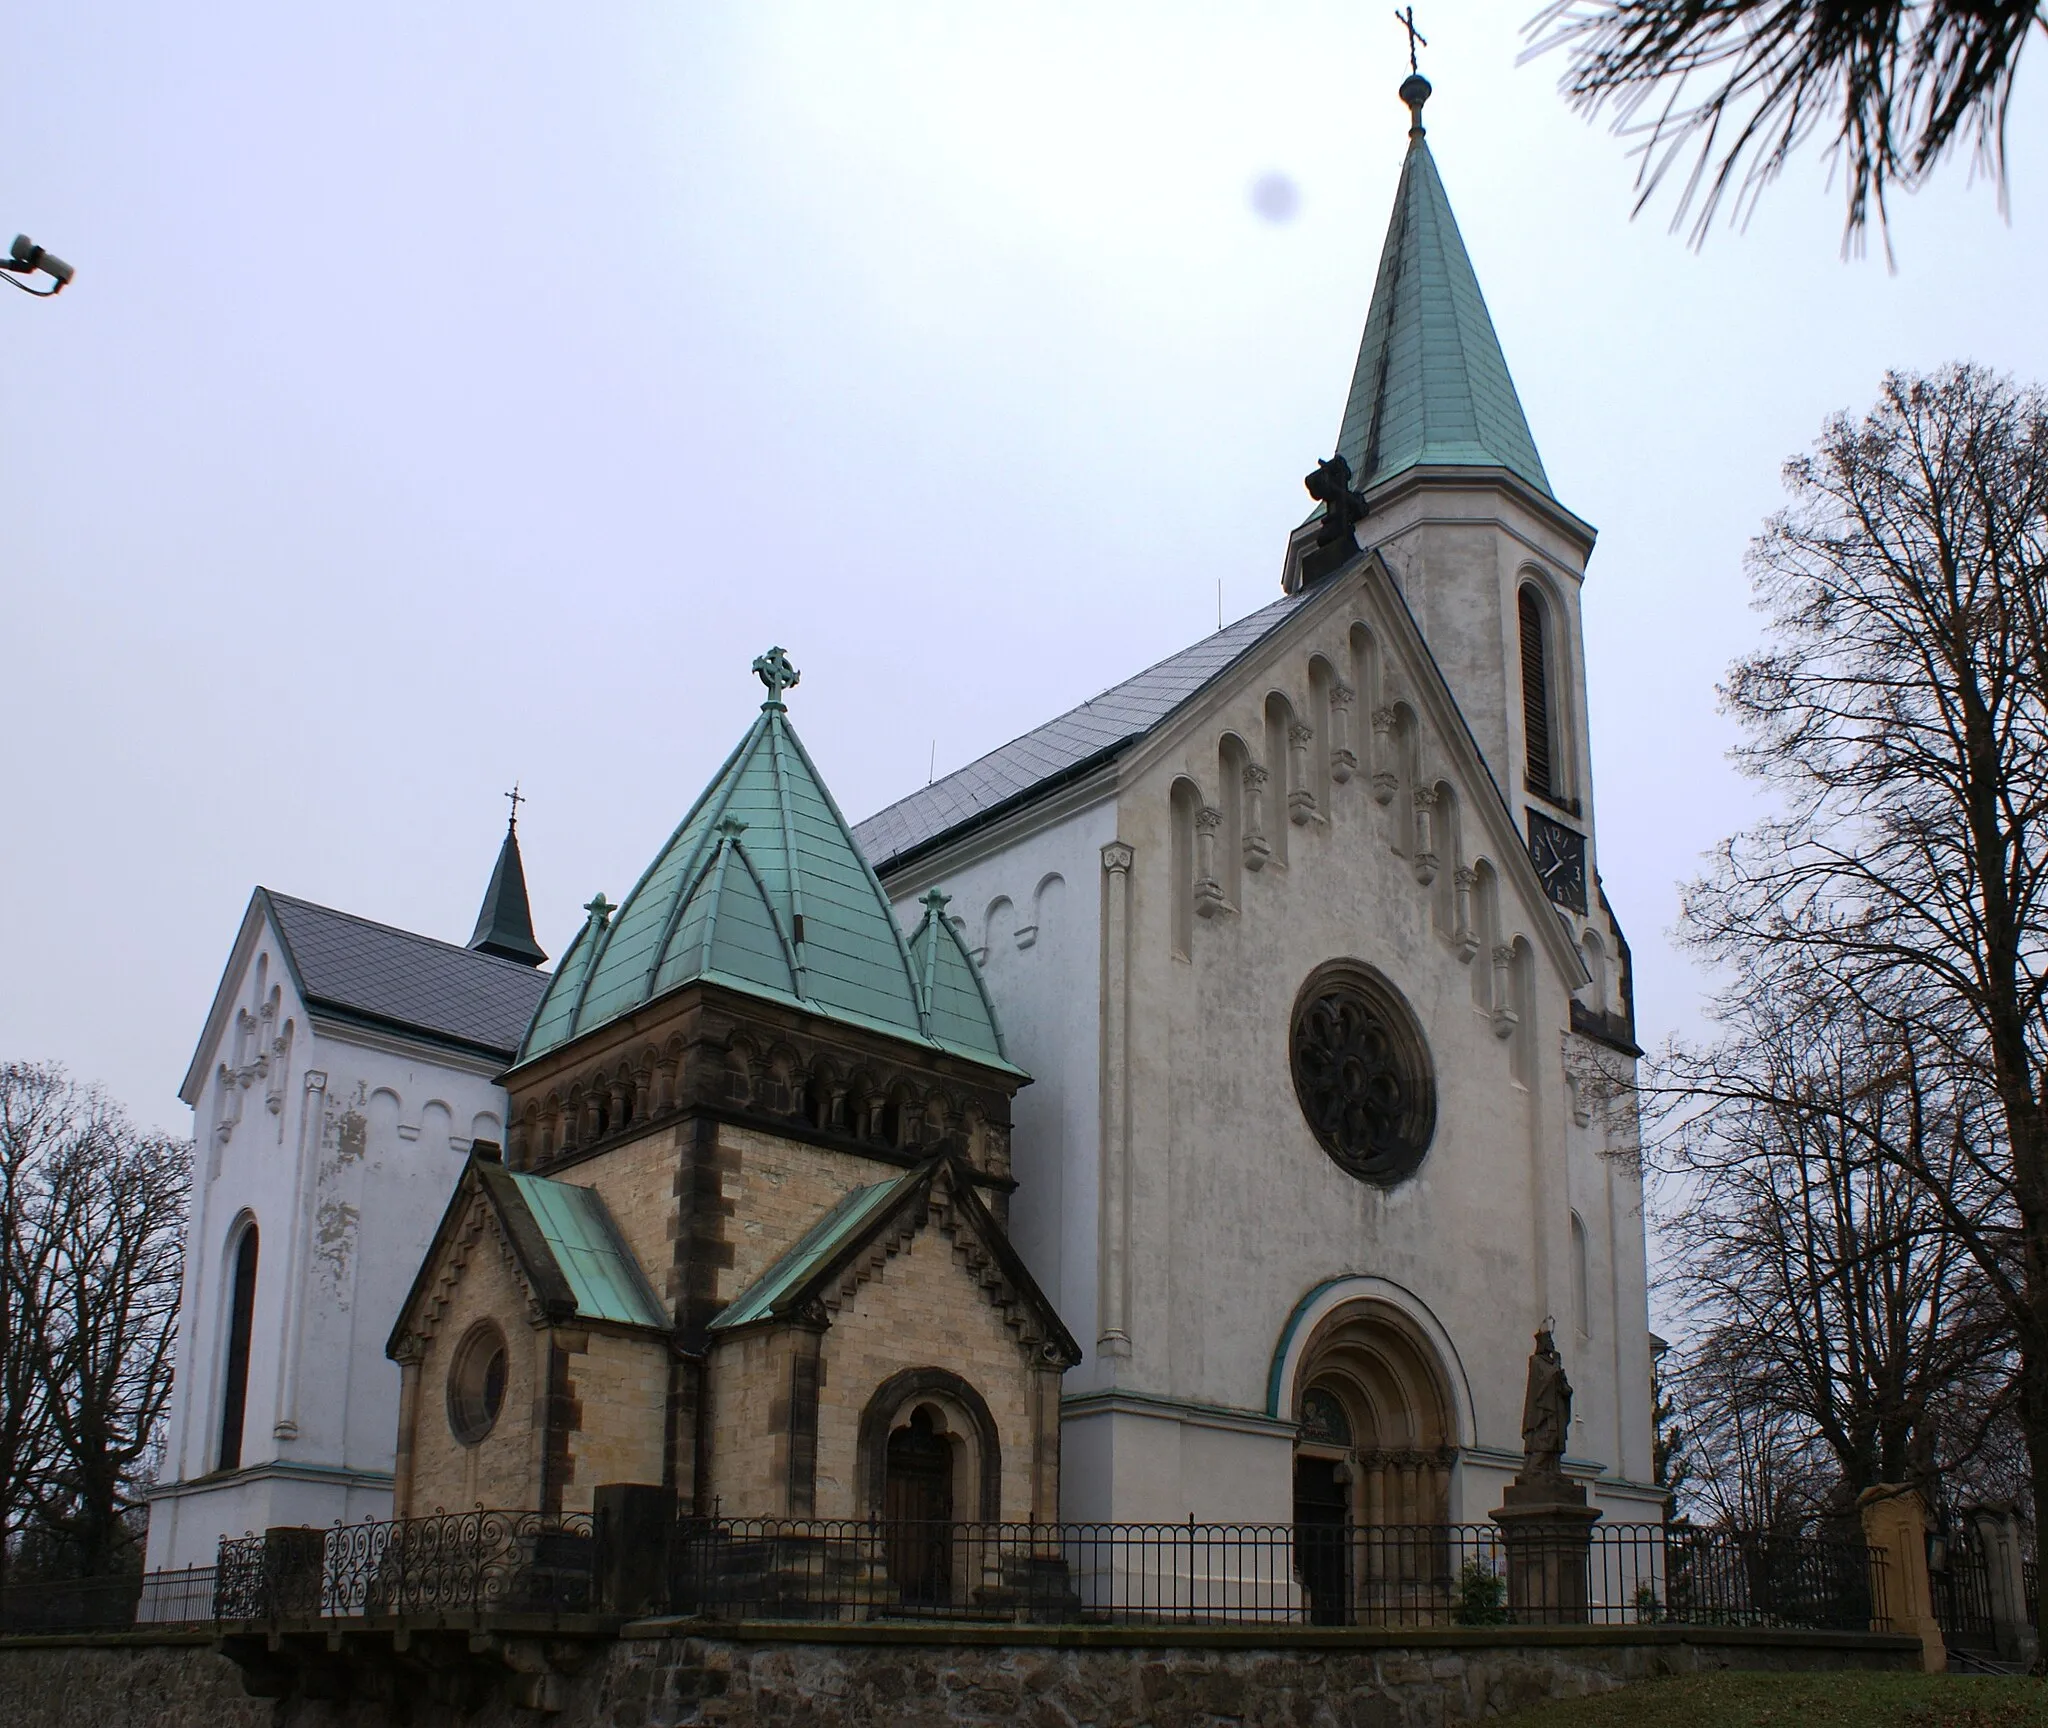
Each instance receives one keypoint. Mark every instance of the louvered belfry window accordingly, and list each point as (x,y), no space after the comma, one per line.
(1536,694)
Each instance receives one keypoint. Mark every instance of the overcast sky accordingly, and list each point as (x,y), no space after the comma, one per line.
(455,393)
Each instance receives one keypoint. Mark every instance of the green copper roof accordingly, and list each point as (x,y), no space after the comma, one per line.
(589,1252)
(1431,385)
(956,1001)
(761,889)
(847,1219)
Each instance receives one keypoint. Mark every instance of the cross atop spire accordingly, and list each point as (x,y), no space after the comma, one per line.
(518,798)
(1407,22)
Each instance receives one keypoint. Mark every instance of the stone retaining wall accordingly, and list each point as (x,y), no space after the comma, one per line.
(666,1674)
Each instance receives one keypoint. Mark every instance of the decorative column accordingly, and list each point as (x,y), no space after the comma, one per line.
(1425,834)
(298,1254)
(1384,780)
(1467,939)
(1209,900)
(1343,762)
(1301,799)
(1997,1529)
(1505,1019)
(1114,1255)
(1257,848)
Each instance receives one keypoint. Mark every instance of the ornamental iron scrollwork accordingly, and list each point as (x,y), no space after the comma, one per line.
(1362,1073)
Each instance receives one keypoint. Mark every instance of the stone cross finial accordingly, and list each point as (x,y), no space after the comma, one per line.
(775,671)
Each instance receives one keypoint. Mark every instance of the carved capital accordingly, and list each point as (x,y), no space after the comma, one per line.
(1255,777)
(1342,695)
(1504,954)
(1383,721)
(1208,819)
(1117,858)
(1466,877)
(1425,797)
(1300,734)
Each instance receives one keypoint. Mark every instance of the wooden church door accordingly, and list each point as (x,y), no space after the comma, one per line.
(917,1511)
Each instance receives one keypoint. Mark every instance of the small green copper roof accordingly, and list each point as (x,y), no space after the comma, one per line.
(504,925)
(956,1001)
(847,1219)
(1431,385)
(762,890)
(588,1250)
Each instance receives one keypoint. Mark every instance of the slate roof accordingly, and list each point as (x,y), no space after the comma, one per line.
(358,970)
(761,889)
(1431,384)
(1027,767)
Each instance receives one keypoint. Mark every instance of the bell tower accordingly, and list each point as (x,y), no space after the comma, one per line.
(1436,470)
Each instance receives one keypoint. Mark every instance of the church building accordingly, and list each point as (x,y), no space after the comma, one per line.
(1190,1109)
(1301,938)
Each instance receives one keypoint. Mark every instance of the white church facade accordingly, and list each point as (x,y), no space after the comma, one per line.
(1293,1100)
(344,1071)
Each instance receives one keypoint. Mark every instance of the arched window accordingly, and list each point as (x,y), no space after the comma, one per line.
(1186,802)
(234,1403)
(1582,1308)
(1536,693)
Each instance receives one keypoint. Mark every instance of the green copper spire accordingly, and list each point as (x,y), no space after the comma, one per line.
(762,890)
(504,924)
(1431,385)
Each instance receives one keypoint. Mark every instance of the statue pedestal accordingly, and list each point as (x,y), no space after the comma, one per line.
(1547,1528)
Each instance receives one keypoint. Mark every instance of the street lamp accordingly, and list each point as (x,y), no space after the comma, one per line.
(26,258)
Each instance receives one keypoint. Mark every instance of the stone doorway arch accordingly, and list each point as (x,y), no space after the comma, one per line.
(1372,1465)
(929,1459)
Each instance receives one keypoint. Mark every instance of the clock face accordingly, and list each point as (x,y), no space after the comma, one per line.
(1559,854)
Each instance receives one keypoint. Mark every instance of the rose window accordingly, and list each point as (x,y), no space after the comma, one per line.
(1362,1073)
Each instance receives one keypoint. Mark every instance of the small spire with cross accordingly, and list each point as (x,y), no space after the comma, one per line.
(517,798)
(1415,88)
(775,671)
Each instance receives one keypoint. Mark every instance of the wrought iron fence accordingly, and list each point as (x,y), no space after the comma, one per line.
(2030,1578)
(108,1604)
(1190,1573)
(451,1563)
(1959,1580)
(1394,1576)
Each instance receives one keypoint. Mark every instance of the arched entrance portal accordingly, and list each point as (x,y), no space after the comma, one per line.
(929,1454)
(1372,1466)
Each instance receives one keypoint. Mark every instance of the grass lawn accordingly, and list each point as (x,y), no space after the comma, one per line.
(1805,1701)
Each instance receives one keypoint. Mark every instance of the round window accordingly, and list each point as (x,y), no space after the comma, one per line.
(476,1383)
(1362,1073)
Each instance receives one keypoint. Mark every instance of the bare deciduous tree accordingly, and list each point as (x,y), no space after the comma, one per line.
(1831,1301)
(1740,84)
(91,1219)
(1900,711)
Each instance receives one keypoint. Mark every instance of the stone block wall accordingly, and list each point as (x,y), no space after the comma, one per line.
(436,1471)
(619,1384)
(777,1189)
(666,1675)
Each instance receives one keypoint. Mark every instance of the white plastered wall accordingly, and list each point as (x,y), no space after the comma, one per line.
(343,1148)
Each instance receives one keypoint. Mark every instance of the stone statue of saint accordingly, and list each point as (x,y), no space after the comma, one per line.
(1546,1410)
